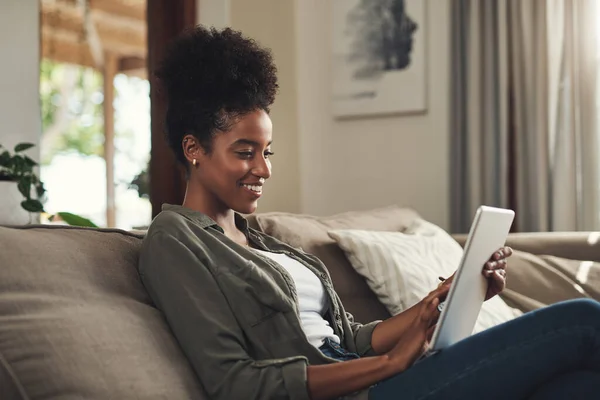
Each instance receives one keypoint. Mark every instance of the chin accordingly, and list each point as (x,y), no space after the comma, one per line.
(246,208)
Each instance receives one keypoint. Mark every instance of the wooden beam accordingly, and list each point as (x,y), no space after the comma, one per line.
(79,54)
(110,70)
(66,51)
(117,34)
(123,43)
(60,13)
(130,63)
(166,20)
(129,9)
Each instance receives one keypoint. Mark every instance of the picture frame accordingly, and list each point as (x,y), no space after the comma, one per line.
(379,57)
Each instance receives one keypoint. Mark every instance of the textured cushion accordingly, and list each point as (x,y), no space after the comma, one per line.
(310,234)
(76,322)
(534,281)
(402,268)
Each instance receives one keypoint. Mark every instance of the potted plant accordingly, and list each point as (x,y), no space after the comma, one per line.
(22,192)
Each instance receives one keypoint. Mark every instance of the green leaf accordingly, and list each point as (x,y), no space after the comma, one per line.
(4,158)
(76,220)
(32,205)
(24,186)
(23,146)
(30,162)
(18,165)
(40,189)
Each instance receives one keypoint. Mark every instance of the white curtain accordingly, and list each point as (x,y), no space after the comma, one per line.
(525,131)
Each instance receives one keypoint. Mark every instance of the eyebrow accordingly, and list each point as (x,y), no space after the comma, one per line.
(249,142)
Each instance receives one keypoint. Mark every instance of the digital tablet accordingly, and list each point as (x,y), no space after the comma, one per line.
(488,233)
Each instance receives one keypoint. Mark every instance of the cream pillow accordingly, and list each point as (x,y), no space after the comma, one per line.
(402,268)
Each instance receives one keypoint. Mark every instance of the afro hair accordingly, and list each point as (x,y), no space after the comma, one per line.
(212,77)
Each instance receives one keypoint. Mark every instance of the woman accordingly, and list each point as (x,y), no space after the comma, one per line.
(258,319)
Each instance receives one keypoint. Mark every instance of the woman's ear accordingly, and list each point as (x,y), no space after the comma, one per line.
(191,148)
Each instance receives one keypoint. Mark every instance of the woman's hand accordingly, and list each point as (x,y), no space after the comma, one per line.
(415,339)
(494,270)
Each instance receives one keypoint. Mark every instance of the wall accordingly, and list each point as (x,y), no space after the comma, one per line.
(20,118)
(271,23)
(364,163)
(325,166)
(213,13)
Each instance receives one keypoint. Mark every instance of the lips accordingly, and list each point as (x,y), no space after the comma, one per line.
(254,189)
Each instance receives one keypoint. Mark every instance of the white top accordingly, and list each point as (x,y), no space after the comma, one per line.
(312,299)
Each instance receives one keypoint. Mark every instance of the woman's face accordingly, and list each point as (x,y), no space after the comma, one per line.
(234,172)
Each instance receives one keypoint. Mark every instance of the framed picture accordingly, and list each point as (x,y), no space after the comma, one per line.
(379,57)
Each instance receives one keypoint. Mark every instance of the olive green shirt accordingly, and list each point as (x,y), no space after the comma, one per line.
(235,313)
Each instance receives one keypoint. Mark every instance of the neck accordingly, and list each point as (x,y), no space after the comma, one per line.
(196,198)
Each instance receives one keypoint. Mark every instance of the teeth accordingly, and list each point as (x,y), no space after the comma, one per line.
(257,189)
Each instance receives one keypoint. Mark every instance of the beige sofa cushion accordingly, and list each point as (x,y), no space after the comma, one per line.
(310,234)
(76,322)
(534,281)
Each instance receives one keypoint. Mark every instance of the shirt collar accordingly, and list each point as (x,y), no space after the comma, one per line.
(202,219)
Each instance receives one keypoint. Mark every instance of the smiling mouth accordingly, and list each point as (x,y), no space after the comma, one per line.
(255,189)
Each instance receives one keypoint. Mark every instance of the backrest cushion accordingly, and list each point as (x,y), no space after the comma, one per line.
(534,280)
(76,322)
(309,233)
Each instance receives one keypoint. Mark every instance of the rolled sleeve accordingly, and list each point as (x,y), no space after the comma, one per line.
(362,334)
(199,314)
(295,380)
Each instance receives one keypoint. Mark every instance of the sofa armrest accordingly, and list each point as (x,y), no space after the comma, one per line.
(571,245)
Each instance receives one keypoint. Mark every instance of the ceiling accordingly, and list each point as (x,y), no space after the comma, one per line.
(90,32)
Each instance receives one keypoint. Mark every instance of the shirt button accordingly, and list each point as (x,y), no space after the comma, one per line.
(338,317)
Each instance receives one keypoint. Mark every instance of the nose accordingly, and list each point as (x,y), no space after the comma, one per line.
(262,168)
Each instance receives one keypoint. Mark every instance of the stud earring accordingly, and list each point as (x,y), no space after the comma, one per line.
(194,162)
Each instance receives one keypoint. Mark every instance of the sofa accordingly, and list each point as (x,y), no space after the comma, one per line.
(76,322)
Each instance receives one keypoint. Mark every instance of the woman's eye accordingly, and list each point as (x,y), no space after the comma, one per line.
(269,154)
(245,154)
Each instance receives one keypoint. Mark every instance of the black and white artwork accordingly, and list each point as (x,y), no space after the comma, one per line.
(378,57)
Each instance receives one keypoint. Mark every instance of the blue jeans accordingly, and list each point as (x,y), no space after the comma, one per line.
(551,353)
(334,350)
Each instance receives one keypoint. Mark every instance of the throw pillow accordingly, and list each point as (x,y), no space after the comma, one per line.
(402,268)
(309,233)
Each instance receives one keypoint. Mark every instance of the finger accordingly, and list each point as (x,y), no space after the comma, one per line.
(428,308)
(502,264)
(433,312)
(430,332)
(497,255)
(442,292)
(499,279)
(492,265)
(488,273)
(502,253)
